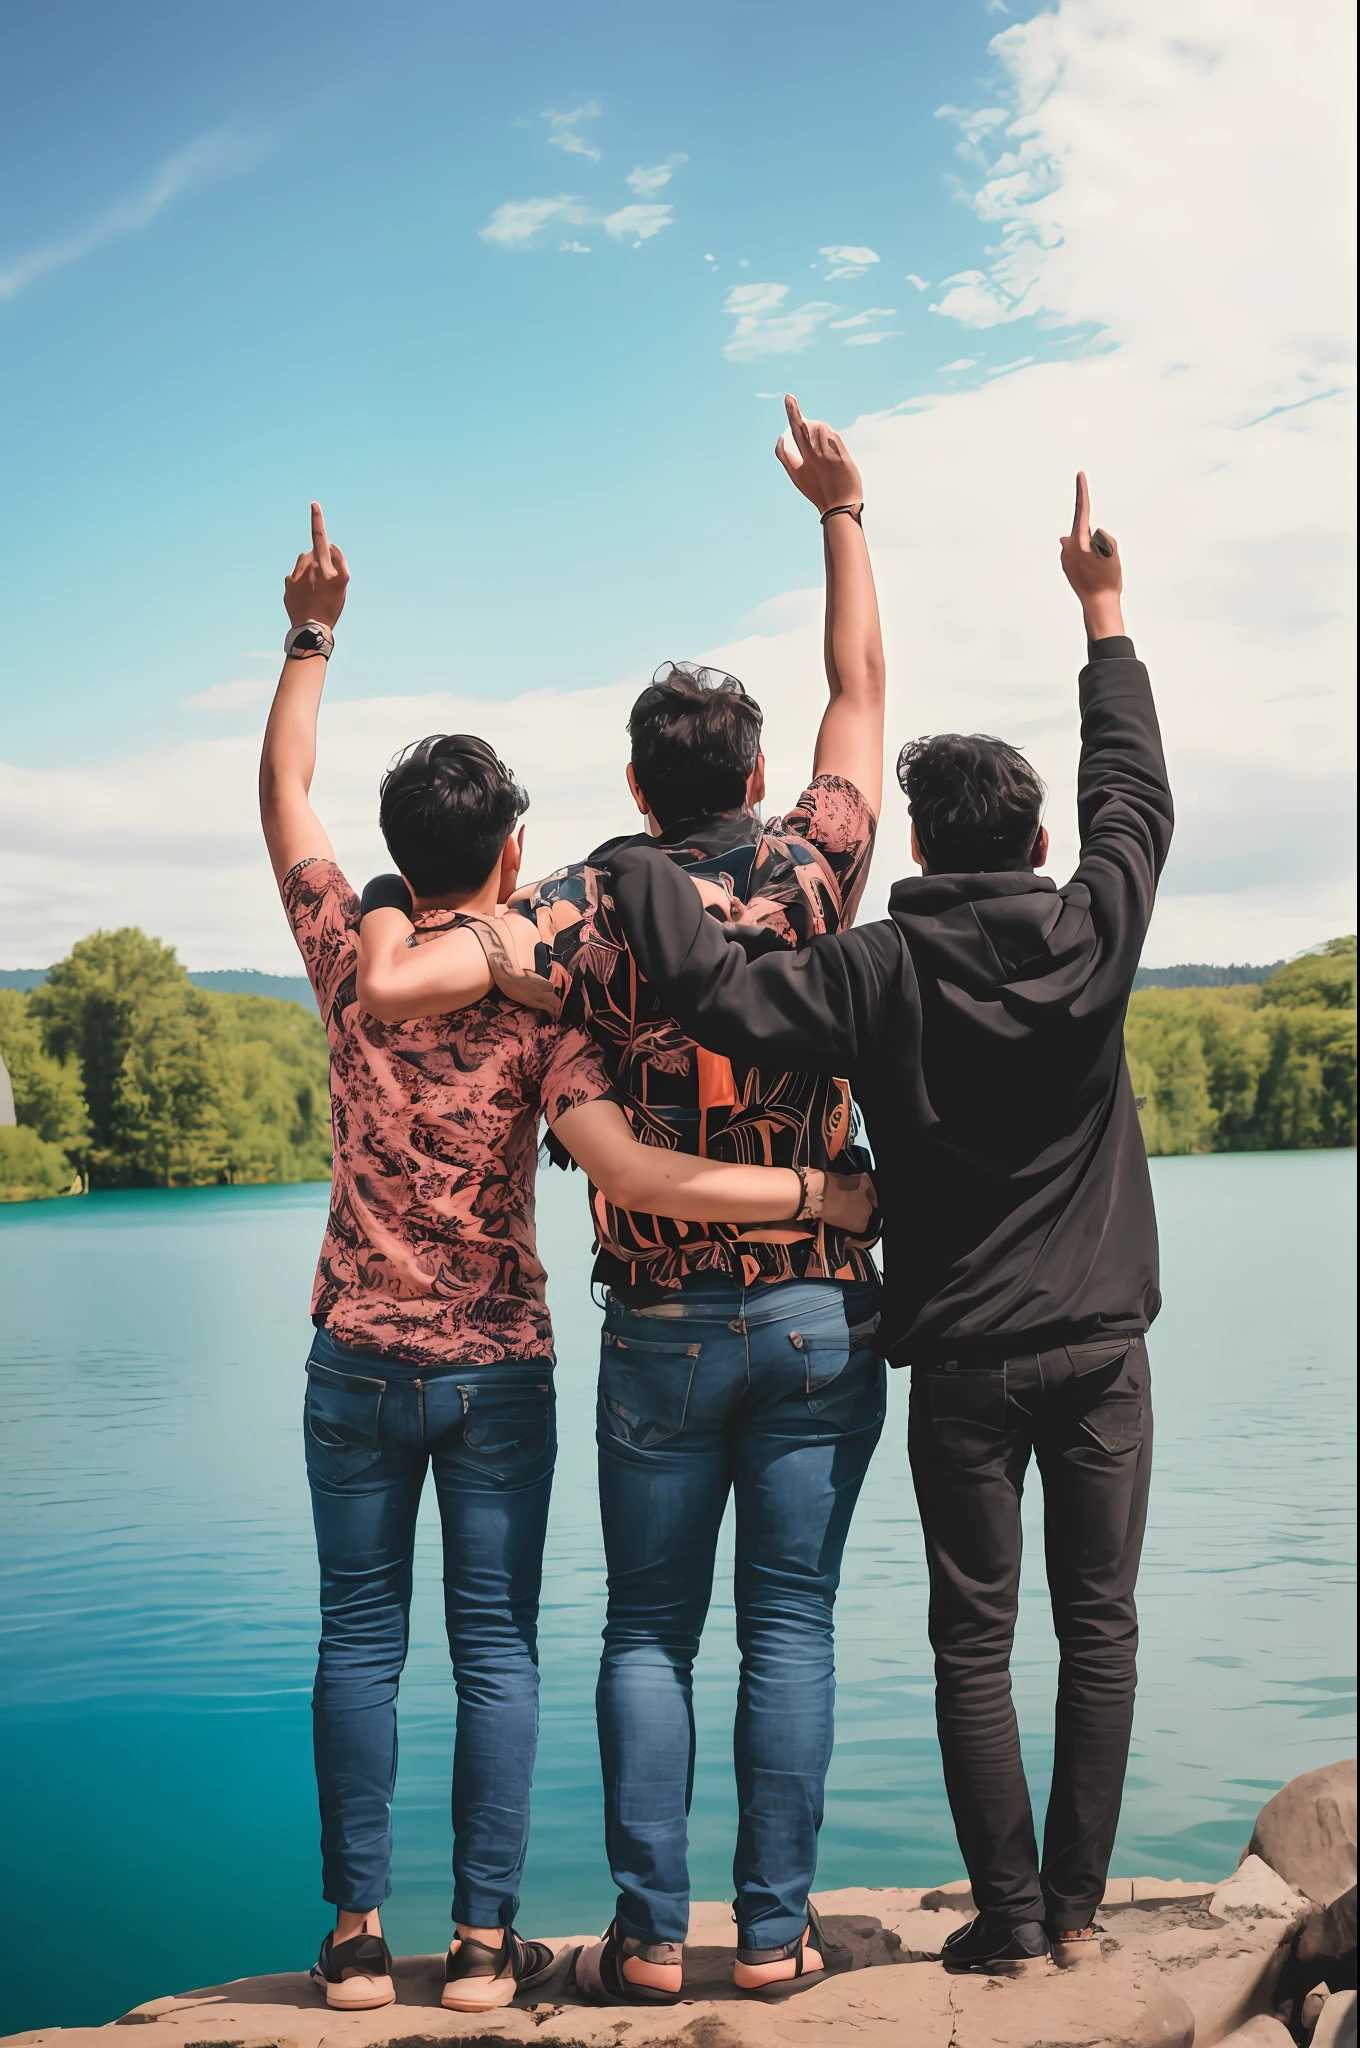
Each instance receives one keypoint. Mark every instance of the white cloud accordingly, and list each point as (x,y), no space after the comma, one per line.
(868,340)
(590,111)
(574,145)
(1020,363)
(763,329)
(863,319)
(847,260)
(637,223)
(229,696)
(221,154)
(519,223)
(976,300)
(961,363)
(562,127)
(515,224)
(922,284)
(848,252)
(1191,211)
(645,180)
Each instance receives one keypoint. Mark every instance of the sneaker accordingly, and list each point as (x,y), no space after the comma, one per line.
(811,1953)
(356,1974)
(1075,1946)
(997,1948)
(478,1978)
(621,1970)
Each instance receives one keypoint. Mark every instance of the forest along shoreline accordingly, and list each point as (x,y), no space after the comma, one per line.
(124,1072)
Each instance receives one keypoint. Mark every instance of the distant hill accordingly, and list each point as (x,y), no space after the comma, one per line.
(295,988)
(1199,975)
(248,981)
(228,981)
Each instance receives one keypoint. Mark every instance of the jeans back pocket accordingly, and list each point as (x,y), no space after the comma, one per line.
(968,1411)
(509,1423)
(645,1387)
(342,1421)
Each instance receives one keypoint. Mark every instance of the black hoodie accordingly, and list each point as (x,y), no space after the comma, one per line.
(981,1025)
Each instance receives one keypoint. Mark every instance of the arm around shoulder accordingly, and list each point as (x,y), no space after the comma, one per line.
(815,1010)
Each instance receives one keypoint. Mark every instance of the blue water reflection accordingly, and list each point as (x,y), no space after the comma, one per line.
(157,1608)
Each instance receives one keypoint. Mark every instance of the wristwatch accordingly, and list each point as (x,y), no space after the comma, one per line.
(814,1198)
(310,638)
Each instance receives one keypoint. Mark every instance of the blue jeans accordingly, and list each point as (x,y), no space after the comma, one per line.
(774,1393)
(372,1427)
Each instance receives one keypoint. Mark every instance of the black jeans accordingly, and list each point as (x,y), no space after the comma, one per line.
(1086,1413)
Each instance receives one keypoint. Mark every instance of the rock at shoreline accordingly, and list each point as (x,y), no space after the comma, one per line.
(1182,1965)
(1307,1832)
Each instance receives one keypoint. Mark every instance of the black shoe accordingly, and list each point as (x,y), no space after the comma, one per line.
(371,1959)
(482,1979)
(997,1948)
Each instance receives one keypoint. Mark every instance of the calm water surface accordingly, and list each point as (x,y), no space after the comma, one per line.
(157,1610)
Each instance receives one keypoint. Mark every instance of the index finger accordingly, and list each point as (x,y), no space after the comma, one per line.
(796,420)
(321,547)
(1081,517)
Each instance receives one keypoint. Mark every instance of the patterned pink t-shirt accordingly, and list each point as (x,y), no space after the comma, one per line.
(429,1251)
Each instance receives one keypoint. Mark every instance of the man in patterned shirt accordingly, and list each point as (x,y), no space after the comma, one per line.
(433,1345)
(734,1359)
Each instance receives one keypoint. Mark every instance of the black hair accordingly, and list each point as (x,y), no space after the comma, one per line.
(975,802)
(695,739)
(446,806)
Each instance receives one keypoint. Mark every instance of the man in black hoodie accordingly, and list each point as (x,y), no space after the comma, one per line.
(981,1025)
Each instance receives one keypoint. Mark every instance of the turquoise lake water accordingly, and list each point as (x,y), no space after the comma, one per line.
(157,1608)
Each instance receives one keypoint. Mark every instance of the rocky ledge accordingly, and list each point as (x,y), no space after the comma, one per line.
(1264,1957)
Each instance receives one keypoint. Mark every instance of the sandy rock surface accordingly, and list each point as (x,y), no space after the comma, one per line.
(1307,1832)
(1160,1937)
(1181,1963)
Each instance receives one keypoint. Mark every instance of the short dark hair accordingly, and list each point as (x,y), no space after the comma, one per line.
(446,806)
(696,737)
(975,802)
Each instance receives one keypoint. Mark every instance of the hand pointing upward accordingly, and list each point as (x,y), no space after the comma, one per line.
(316,589)
(1091,564)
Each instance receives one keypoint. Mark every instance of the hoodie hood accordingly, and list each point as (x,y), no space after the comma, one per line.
(1010,952)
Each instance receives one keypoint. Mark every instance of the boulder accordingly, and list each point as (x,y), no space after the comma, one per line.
(1307,1832)
(1256,1892)
(1327,1940)
(1265,2031)
(1336,2028)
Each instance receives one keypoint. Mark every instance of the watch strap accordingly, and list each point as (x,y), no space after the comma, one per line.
(300,643)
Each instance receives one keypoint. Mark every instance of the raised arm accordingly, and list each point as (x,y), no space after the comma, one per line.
(313,597)
(850,738)
(1124,806)
(812,1011)
(660,1183)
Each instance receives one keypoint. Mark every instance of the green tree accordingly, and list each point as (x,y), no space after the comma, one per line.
(277,1107)
(109,990)
(1327,977)
(1250,1069)
(182,1087)
(48,1097)
(30,1168)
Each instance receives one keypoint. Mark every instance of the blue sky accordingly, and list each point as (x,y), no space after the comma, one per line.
(267,281)
(257,254)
